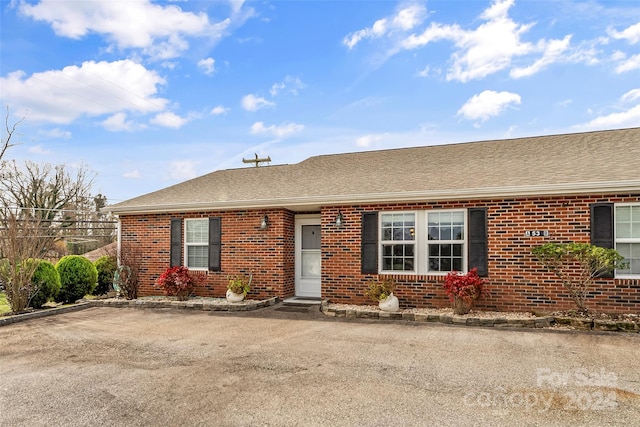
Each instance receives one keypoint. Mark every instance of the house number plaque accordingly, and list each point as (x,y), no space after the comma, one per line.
(536,233)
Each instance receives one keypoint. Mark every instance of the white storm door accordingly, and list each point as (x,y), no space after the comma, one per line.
(308,256)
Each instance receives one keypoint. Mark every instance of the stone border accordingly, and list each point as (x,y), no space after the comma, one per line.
(16,318)
(204,305)
(498,322)
(198,304)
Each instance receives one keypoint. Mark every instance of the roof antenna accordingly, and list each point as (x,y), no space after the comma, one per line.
(257,161)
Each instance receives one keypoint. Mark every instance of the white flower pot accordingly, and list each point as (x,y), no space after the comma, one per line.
(233,297)
(390,303)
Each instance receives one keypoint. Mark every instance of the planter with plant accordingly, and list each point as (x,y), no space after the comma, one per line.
(238,287)
(179,282)
(382,291)
(463,290)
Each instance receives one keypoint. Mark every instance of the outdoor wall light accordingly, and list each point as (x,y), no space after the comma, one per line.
(339,219)
(264,224)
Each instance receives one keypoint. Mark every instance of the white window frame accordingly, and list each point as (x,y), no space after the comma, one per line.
(421,236)
(382,243)
(188,244)
(617,240)
(464,241)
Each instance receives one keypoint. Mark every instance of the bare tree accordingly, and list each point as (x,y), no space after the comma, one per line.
(10,131)
(130,257)
(20,241)
(45,193)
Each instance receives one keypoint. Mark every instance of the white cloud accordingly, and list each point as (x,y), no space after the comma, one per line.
(424,72)
(630,64)
(488,104)
(628,116)
(118,122)
(367,141)
(630,34)
(157,30)
(219,110)
(207,66)
(553,51)
(483,51)
(182,170)
(39,150)
(493,46)
(254,103)
(275,88)
(632,95)
(404,20)
(565,103)
(93,89)
(134,174)
(291,84)
(55,133)
(169,120)
(285,129)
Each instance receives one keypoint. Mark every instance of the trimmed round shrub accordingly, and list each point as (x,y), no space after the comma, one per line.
(106,266)
(45,277)
(78,277)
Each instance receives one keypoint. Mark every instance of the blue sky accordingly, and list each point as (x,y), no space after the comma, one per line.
(148,94)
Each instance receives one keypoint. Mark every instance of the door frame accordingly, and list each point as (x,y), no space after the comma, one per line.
(300,220)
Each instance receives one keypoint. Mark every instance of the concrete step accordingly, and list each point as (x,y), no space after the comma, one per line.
(302,301)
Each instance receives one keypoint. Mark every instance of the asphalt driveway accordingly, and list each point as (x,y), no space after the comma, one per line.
(134,367)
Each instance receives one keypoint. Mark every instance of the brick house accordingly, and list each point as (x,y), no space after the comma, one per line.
(326,226)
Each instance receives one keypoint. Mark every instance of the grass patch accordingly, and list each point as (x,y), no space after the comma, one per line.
(4,304)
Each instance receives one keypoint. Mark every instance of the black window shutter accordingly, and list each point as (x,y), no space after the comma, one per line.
(478,247)
(369,252)
(602,227)
(175,254)
(215,246)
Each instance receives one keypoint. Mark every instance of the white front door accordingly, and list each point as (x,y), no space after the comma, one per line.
(308,256)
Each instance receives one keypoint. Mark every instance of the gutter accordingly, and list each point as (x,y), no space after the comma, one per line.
(300,203)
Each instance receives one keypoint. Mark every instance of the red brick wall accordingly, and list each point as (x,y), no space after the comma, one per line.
(515,282)
(268,254)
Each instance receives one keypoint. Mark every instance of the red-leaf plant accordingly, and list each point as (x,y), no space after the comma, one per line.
(179,282)
(467,287)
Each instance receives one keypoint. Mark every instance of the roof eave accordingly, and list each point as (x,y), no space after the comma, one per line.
(307,203)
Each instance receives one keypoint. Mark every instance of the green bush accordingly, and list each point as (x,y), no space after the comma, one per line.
(78,277)
(47,282)
(106,266)
(577,265)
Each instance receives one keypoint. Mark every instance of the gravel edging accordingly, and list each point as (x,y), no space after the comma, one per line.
(335,310)
(8,320)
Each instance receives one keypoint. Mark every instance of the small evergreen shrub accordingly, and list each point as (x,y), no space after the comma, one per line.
(46,280)
(106,266)
(78,277)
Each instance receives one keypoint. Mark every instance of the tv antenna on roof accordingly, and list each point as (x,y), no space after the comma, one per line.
(257,160)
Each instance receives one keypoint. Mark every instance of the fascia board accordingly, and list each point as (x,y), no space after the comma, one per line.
(408,196)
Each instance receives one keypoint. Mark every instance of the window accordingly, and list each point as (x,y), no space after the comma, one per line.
(423,242)
(627,232)
(197,243)
(445,244)
(398,241)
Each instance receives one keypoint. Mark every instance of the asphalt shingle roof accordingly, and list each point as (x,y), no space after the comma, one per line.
(571,163)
